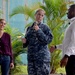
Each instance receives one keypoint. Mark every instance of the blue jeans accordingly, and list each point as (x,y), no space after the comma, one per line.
(5,64)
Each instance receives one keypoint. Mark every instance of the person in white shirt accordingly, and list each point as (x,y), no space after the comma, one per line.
(68,44)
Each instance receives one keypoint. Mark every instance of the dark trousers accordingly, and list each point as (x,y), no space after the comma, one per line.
(5,64)
(70,67)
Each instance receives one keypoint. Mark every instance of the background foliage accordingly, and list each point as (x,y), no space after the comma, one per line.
(55,18)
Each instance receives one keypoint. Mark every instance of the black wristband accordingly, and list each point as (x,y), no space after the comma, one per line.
(55,47)
(66,56)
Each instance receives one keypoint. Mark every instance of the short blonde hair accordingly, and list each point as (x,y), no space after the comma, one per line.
(39,10)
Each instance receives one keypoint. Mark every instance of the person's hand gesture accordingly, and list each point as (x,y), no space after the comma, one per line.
(11,65)
(52,48)
(36,27)
(63,61)
(24,40)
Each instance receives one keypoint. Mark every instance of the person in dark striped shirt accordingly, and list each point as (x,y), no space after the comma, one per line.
(6,56)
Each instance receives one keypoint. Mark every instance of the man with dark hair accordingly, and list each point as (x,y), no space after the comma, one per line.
(68,45)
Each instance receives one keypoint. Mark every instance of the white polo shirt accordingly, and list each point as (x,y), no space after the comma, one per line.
(68,44)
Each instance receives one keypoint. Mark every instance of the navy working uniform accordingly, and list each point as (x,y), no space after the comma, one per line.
(38,53)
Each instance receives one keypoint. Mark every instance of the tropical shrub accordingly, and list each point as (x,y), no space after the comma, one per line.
(16,44)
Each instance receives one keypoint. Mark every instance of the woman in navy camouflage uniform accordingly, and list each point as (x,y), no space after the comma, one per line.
(37,38)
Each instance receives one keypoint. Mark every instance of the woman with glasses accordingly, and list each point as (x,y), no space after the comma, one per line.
(6,58)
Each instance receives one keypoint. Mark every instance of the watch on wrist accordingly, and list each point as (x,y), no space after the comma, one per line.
(55,47)
(66,56)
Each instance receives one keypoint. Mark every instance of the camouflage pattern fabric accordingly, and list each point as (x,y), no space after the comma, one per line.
(38,52)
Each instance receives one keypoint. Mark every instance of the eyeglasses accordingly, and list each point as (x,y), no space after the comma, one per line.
(2,23)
